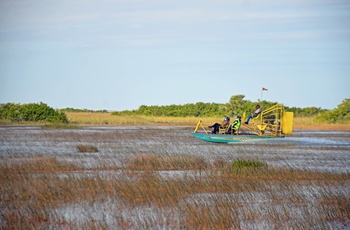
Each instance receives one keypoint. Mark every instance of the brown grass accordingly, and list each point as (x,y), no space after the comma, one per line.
(87,149)
(31,189)
(109,119)
(337,208)
(178,162)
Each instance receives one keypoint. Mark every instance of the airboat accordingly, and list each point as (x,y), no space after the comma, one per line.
(273,122)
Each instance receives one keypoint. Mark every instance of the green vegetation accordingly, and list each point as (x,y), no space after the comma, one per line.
(31,113)
(305,112)
(338,115)
(10,112)
(247,163)
(83,110)
(199,109)
(241,166)
(236,106)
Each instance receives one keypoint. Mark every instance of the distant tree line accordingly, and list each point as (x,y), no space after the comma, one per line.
(83,110)
(31,112)
(238,106)
(198,109)
(338,115)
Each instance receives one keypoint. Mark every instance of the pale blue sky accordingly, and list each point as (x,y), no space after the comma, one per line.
(118,55)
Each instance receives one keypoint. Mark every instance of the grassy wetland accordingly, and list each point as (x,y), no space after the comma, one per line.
(150,173)
(105,119)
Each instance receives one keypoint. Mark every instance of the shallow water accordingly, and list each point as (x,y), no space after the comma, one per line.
(309,150)
(279,205)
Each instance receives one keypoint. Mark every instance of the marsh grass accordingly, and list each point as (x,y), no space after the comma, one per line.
(5,122)
(87,148)
(80,118)
(77,119)
(30,190)
(304,120)
(240,164)
(177,162)
(337,208)
(109,119)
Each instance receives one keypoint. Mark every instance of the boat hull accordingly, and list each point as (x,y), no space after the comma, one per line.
(217,138)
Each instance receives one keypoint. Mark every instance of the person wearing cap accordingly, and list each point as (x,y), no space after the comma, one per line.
(255,114)
(235,125)
(225,123)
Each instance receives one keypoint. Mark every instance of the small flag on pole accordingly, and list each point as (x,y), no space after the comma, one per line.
(262,90)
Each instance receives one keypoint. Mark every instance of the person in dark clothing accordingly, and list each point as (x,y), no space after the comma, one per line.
(215,127)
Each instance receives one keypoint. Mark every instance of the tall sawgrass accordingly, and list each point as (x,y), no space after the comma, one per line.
(87,148)
(31,189)
(79,118)
(178,162)
(109,119)
(104,118)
